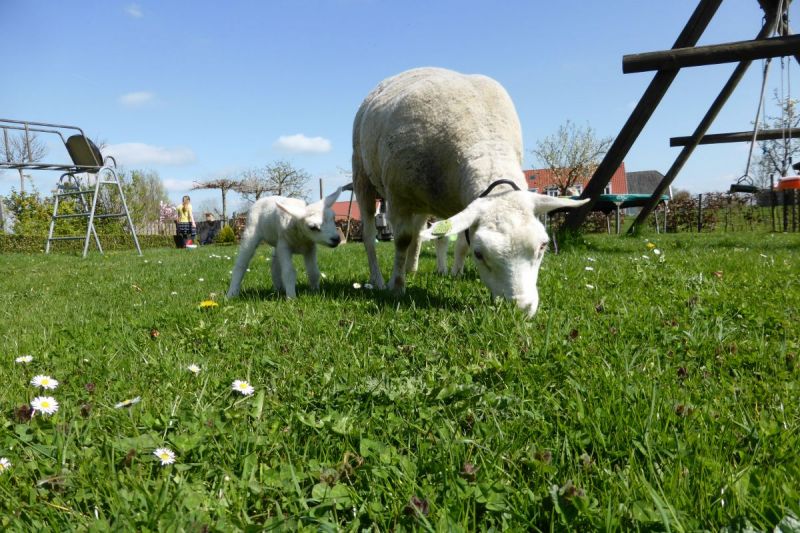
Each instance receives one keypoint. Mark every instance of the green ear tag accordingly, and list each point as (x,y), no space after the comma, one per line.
(441,228)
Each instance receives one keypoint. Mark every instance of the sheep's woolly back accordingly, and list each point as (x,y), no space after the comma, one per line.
(432,139)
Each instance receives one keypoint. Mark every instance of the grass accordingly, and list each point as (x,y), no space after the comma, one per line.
(662,398)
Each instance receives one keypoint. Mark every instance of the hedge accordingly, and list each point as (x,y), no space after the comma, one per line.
(36,244)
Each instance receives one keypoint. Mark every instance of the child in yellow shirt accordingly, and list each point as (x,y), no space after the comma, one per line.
(185,221)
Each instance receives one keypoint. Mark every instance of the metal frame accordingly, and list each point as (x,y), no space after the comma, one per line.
(70,182)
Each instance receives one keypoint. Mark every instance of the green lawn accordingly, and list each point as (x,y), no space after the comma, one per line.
(655,392)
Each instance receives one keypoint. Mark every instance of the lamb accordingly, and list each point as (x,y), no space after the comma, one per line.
(290,227)
(435,142)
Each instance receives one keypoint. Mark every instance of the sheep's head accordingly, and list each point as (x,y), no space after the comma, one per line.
(316,221)
(507,241)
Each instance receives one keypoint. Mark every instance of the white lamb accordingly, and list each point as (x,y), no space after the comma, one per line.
(435,142)
(290,227)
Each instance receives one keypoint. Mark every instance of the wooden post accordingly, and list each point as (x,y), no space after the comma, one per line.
(699,212)
(652,96)
(320,189)
(697,56)
(738,136)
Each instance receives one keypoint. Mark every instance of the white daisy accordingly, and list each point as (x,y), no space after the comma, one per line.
(590,259)
(356,285)
(323,274)
(165,455)
(45,382)
(174,293)
(5,464)
(657,251)
(589,286)
(200,279)
(24,359)
(128,403)
(243,387)
(193,368)
(47,405)
(590,269)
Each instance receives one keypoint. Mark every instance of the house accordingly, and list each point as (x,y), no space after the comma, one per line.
(541,180)
(644,182)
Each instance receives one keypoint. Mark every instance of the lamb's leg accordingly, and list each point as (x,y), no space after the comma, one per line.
(441,254)
(275,268)
(288,275)
(312,269)
(247,248)
(366,203)
(412,257)
(459,254)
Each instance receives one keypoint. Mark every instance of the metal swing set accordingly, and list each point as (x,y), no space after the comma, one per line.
(82,179)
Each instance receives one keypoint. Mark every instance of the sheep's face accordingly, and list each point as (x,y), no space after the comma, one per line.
(316,221)
(507,242)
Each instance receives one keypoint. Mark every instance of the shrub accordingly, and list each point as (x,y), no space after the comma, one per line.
(225,236)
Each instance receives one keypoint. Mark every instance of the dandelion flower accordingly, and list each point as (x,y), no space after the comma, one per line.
(165,455)
(243,387)
(5,464)
(650,245)
(356,285)
(45,382)
(208,304)
(45,404)
(193,368)
(24,359)
(128,403)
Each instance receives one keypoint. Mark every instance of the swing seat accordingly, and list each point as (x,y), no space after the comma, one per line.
(743,187)
(788,183)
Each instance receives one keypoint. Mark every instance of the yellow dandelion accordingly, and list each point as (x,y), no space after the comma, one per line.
(208,304)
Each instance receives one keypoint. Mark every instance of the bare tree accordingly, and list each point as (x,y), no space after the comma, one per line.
(776,155)
(285,180)
(20,151)
(572,154)
(224,185)
(253,184)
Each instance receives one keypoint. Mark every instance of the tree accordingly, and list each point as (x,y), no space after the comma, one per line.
(572,154)
(285,180)
(17,150)
(224,185)
(144,194)
(776,155)
(253,184)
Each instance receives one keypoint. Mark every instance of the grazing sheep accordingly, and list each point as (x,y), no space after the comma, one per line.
(291,227)
(432,142)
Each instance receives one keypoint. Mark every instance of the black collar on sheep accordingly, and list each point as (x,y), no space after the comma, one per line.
(486,193)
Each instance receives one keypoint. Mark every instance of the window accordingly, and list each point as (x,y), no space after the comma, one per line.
(551,191)
(607,190)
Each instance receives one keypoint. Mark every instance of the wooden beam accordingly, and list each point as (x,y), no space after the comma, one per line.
(700,131)
(739,136)
(652,96)
(712,55)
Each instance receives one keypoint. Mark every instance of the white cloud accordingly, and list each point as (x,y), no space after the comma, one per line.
(300,144)
(136,99)
(174,185)
(134,11)
(147,154)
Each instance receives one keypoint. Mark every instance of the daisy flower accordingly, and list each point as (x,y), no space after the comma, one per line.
(243,387)
(589,269)
(45,382)
(5,464)
(200,279)
(356,285)
(589,286)
(45,404)
(128,403)
(24,359)
(657,251)
(193,368)
(165,455)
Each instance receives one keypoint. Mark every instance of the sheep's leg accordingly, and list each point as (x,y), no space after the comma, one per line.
(460,254)
(288,275)
(441,254)
(250,241)
(404,229)
(312,269)
(366,203)
(412,257)
(275,268)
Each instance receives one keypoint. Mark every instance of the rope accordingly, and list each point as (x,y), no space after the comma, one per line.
(758,115)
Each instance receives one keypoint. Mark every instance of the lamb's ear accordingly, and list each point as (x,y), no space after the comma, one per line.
(295,211)
(331,198)
(544,204)
(455,224)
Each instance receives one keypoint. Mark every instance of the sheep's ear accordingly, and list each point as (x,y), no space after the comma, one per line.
(455,224)
(331,198)
(544,204)
(294,211)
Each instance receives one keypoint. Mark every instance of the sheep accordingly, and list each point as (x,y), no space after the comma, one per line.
(290,227)
(432,141)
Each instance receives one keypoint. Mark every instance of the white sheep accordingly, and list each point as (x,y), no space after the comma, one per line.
(290,227)
(432,141)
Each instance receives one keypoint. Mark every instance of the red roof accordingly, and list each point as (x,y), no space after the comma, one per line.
(542,178)
(340,210)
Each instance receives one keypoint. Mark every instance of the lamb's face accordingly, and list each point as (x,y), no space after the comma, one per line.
(508,254)
(319,226)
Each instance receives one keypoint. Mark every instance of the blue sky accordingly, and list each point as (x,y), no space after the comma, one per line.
(196,89)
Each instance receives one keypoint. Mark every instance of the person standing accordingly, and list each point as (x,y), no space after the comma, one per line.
(185,220)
